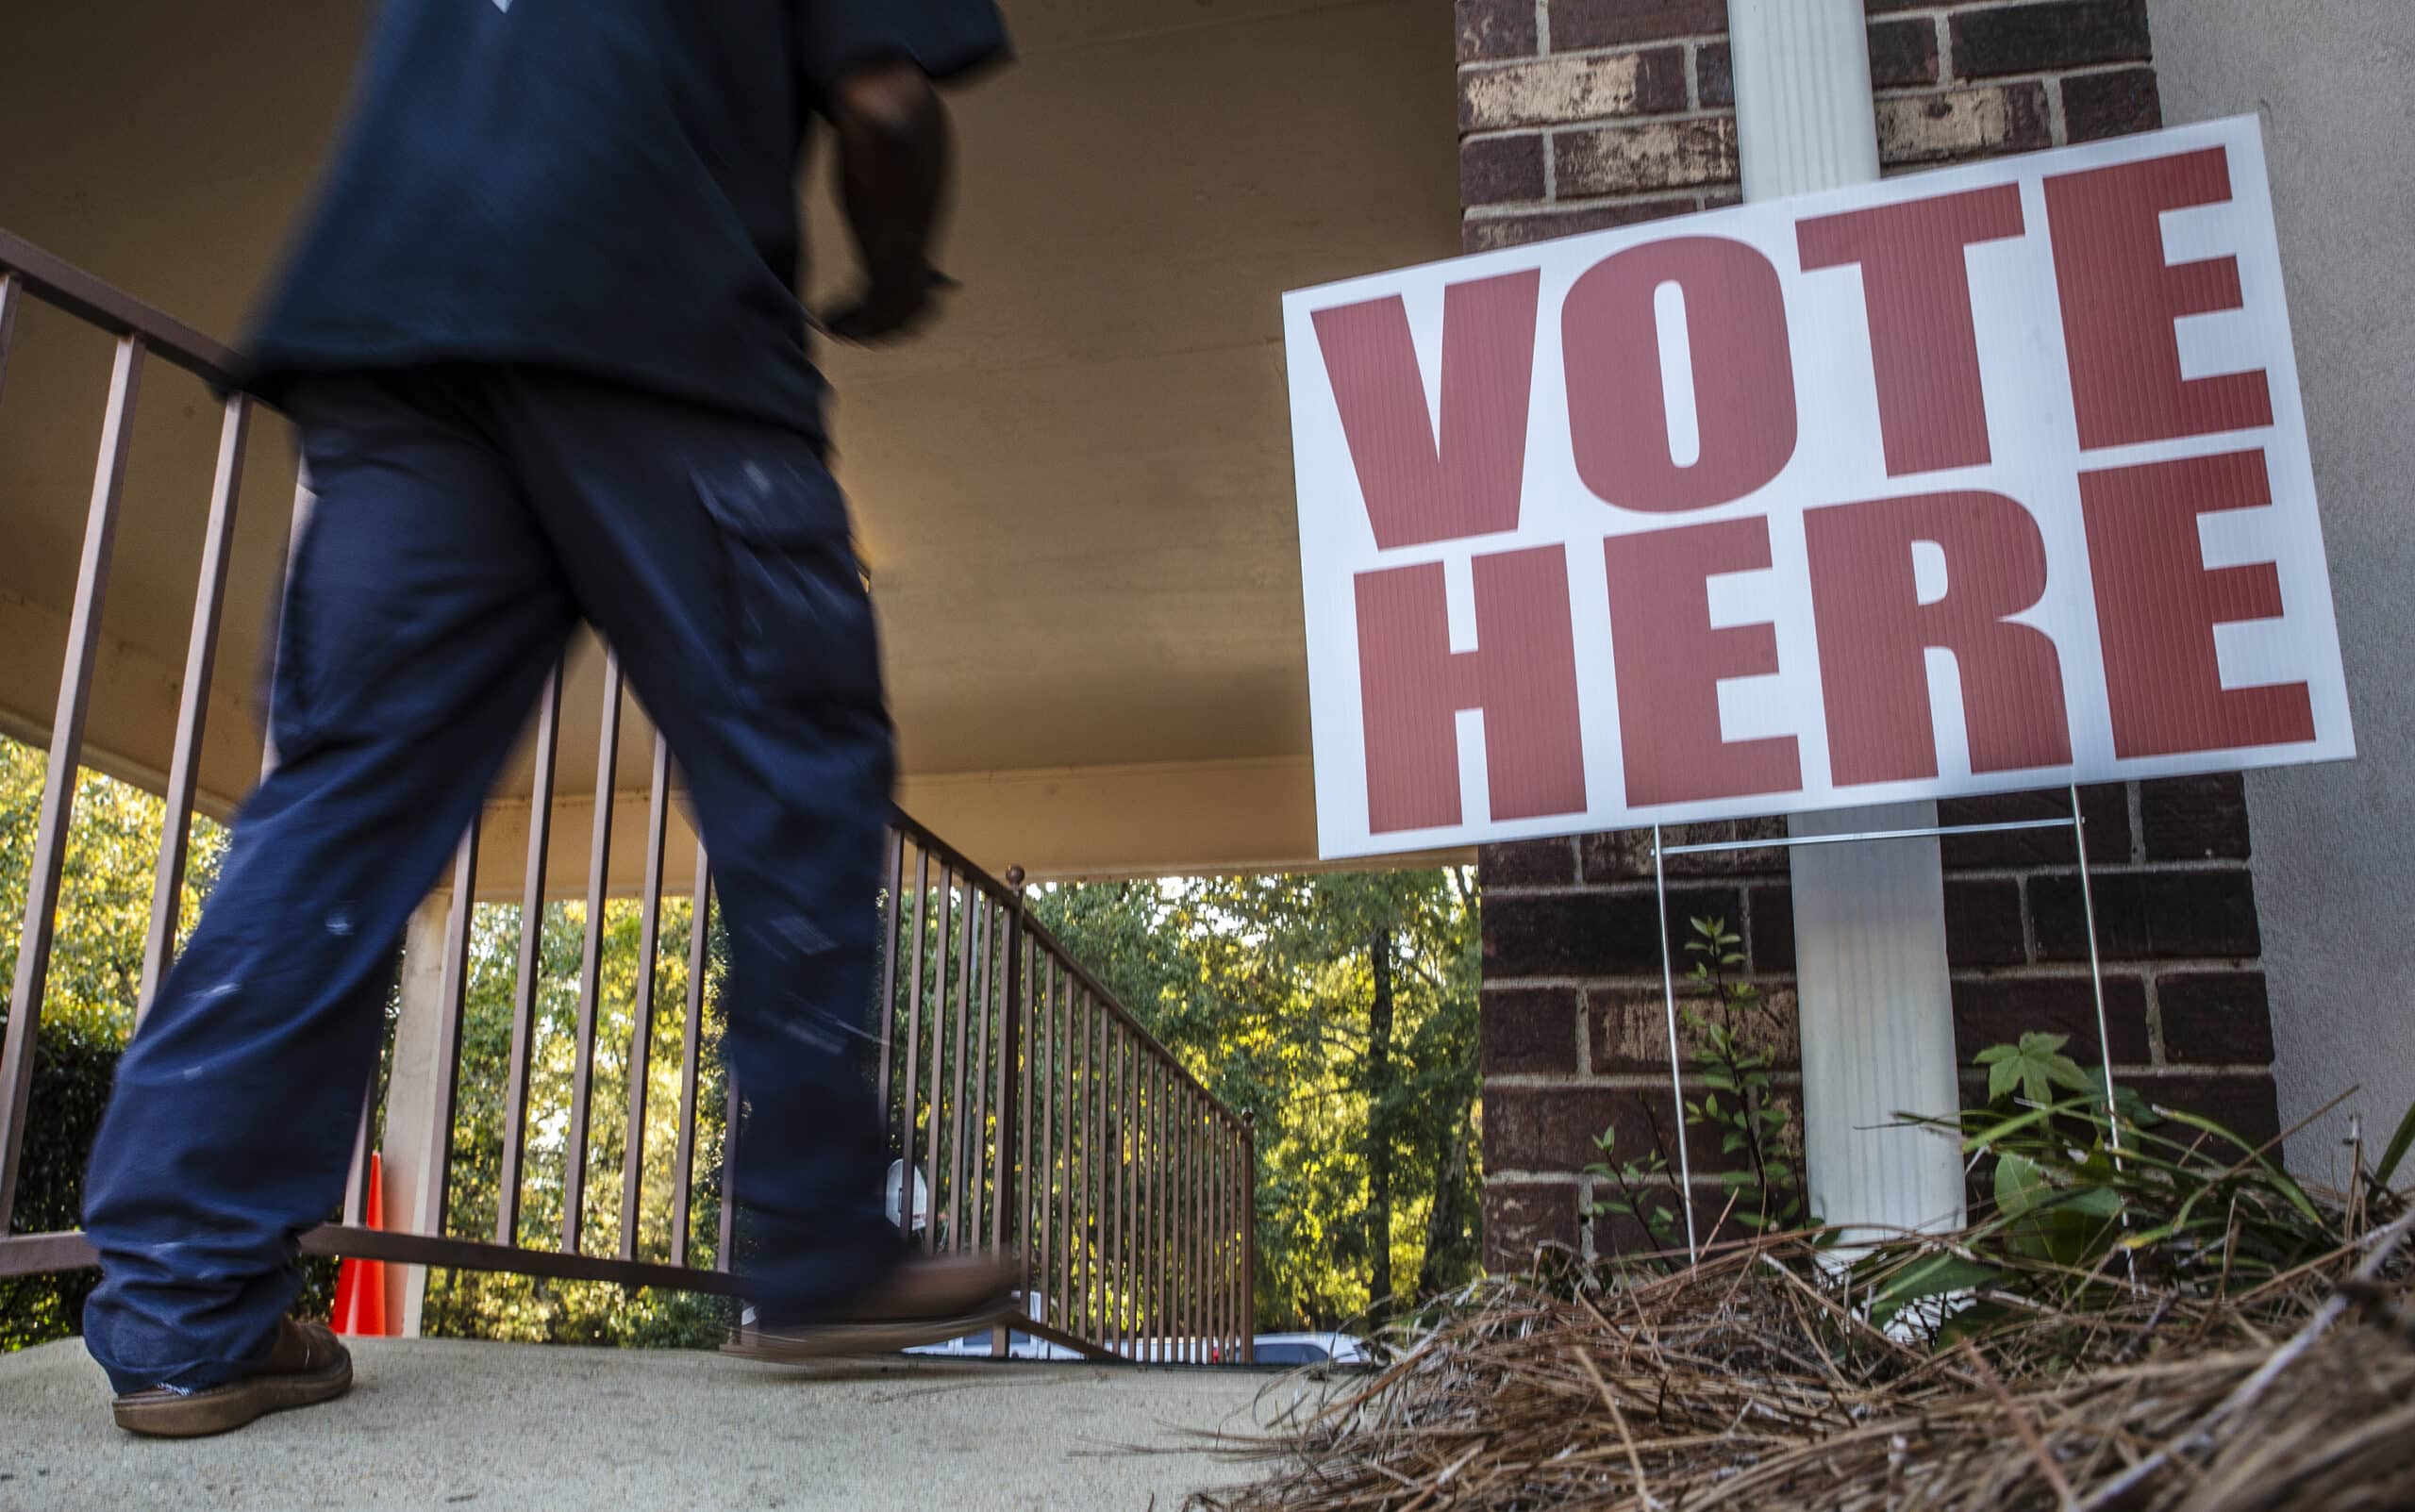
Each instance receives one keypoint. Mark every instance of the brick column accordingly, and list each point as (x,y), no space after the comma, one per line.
(1580,114)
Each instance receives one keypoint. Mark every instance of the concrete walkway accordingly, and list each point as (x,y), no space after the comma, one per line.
(439,1423)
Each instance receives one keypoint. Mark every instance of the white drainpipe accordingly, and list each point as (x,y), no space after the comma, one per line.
(1877,1025)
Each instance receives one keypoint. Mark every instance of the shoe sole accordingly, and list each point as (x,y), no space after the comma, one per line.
(842,1339)
(226,1408)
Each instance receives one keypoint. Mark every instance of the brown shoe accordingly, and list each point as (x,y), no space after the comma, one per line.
(305,1366)
(921,1302)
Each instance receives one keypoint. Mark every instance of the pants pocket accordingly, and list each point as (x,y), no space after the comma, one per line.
(799,615)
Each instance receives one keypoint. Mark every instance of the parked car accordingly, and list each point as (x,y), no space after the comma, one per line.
(1312,1349)
(1020,1345)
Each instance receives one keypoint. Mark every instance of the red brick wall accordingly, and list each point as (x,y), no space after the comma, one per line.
(1579,114)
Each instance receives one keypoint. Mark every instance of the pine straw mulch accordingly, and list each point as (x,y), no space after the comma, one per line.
(1752,1379)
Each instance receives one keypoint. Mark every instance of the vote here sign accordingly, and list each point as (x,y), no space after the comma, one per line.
(1984,479)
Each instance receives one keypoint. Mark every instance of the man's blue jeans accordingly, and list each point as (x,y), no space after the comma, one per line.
(468,519)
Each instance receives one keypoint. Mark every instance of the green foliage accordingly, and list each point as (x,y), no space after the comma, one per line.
(89,991)
(72,1067)
(2035,1067)
(1262,986)
(96,972)
(2094,1194)
(493,1305)
(1645,1190)
(1758,1139)
(2386,1169)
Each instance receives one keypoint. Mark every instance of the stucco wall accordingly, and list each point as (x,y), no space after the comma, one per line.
(2335,846)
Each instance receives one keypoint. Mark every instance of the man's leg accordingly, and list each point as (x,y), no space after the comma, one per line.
(422,613)
(714,555)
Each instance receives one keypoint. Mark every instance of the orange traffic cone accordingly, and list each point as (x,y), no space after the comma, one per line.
(360,1285)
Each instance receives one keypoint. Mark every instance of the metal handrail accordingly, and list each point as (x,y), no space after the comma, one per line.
(55,281)
(1125,1182)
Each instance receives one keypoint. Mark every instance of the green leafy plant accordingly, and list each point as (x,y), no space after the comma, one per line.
(1733,1065)
(1644,1192)
(2096,1193)
(2036,1066)
(1764,1193)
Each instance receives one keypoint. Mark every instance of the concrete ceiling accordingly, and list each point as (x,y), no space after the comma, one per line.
(1075,493)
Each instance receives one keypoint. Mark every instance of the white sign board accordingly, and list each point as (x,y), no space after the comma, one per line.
(1984,479)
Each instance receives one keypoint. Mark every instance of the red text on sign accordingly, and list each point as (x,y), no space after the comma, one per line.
(2120,299)
(1875,634)
(2157,607)
(1418,487)
(1671,660)
(1521,674)
(1744,374)
(1924,346)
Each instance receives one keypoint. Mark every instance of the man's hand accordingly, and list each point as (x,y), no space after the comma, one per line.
(892,173)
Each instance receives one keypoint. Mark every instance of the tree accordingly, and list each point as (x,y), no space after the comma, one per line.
(89,996)
(1267,989)
(1338,1008)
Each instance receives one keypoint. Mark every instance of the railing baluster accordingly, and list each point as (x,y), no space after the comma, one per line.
(1236,1313)
(733,1109)
(987,933)
(1110,1153)
(356,1181)
(892,919)
(938,1059)
(1169,1171)
(909,1072)
(968,952)
(1014,1099)
(1098,1204)
(641,1062)
(991,1143)
(1187,1319)
(1156,1249)
(456,998)
(1224,1246)
(192,705)
(1249,1239)
(1194,1136)
(591,965)
(1076,1153)
(1210,1313)
(306,502)
(58,782)
(9,288)
(532,961)
(1129,1258)
(1050,1046)
(691,1057)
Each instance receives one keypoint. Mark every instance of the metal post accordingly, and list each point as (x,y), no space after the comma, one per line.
(939,1064)
(532,953)
(691,1055)
(1249,1238)
(910,1072)
(59,782)
(1014,1092)
(192,707)
(306,501)
(590,967)
(641,1061)
(1676,1076)
(2095,970)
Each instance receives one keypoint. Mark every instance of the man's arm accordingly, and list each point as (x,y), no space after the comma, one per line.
(893,142)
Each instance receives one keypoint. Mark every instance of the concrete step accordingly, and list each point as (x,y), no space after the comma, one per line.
(439,1424)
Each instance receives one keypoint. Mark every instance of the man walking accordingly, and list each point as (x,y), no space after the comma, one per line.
(542,340)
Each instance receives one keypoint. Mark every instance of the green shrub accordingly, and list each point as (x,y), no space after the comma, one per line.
(74,1066)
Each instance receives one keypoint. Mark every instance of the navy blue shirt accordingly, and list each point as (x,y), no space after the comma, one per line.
(607,186)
